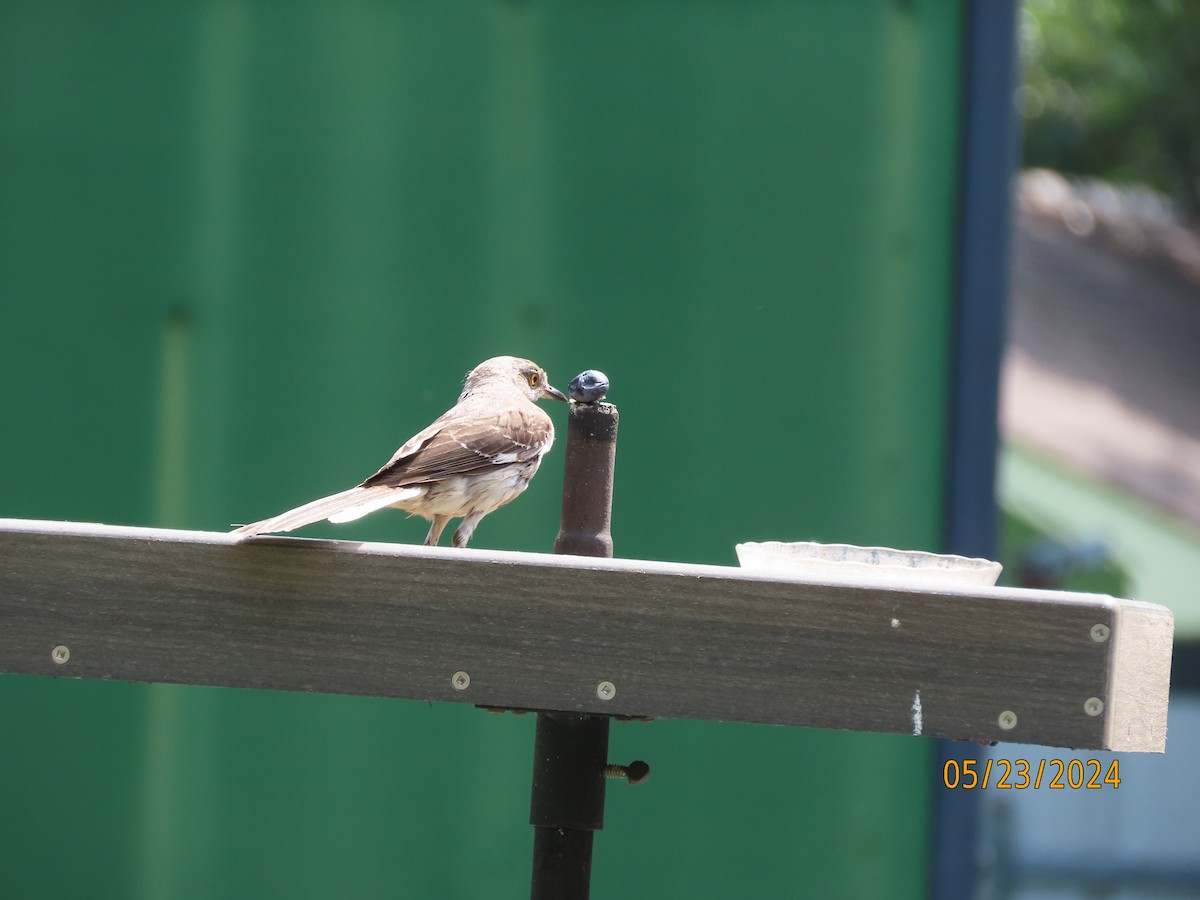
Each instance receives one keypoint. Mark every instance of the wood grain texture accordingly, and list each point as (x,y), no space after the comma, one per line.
(537,631)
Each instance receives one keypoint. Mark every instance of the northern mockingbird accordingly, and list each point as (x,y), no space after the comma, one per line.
(474,458)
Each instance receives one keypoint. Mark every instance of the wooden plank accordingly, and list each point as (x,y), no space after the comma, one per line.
(537,631)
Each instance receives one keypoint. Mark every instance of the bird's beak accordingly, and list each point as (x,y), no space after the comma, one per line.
(551,391)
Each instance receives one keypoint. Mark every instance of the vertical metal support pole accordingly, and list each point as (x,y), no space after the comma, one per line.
(569,756)
(570,749)
(989,157)
(588,481)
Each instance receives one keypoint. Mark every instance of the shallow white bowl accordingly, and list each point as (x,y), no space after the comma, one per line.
(867,565)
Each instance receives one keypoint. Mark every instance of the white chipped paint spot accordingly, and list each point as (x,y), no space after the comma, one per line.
(917,716)
(895,623)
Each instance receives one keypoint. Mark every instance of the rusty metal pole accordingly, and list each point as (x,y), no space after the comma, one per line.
(588,481)
(571,749)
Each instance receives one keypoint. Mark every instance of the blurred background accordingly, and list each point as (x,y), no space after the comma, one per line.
(1099,472)
(248,248)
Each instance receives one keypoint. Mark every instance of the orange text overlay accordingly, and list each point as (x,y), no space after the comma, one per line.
(1019,774)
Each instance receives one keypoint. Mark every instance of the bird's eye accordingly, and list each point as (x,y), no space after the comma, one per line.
(534,379)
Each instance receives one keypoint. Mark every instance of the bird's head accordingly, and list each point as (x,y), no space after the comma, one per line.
(526,375)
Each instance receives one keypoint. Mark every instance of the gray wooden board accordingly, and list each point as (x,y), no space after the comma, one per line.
(537,631)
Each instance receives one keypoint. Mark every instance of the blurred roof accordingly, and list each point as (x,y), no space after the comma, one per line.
(1103,366)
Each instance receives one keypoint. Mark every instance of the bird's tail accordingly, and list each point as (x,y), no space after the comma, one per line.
(343,507)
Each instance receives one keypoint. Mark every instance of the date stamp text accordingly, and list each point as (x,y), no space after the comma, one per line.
(1020,774)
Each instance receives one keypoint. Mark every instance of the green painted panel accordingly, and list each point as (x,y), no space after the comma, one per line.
(247,248)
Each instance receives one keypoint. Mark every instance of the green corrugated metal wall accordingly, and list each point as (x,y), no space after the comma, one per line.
(247,248)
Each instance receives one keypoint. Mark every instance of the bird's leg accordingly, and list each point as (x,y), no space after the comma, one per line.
(435,530)
(466,528)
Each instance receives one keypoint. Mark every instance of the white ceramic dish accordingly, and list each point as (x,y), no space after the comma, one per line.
(867,565)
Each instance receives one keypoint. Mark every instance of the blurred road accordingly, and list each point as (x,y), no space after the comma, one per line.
(1103,366)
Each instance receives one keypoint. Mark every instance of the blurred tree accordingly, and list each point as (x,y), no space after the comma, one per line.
(1111,90)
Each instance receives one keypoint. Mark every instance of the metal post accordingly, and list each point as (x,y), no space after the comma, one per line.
(569,756)
(570,750)
(588,481)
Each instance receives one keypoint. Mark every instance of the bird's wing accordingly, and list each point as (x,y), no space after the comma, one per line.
(418,440)
(454,446)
